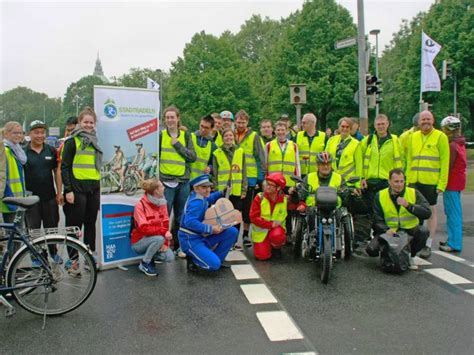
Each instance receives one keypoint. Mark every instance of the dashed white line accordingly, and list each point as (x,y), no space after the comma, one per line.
(235,256)
(420,262)
(449,256)
(448,276)
(244,272)
(471,291)
(258,294)
(278,326)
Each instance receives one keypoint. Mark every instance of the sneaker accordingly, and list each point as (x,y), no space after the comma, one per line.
(181,254)
(246,242)
(72,268)
(443,242)
(447,249)
(425,253)
(411,264)
(237,247)
(147,268)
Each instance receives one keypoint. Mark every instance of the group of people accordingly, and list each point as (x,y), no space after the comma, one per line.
(399,177)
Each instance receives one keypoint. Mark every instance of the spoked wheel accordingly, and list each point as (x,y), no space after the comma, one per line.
(298,237)
(348,231)
(130,185)
(106,185)
(70,283)
(327,258)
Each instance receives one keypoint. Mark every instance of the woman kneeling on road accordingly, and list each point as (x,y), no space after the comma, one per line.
(268,215)
(151,234)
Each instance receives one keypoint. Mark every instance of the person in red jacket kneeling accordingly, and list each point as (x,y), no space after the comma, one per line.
(268,215)
(151,234)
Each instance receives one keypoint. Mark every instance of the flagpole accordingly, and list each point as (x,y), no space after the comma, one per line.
(421,73)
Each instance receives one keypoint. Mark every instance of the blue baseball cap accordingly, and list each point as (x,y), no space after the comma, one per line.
(202,180)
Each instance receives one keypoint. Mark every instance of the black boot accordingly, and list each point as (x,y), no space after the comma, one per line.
(190,265)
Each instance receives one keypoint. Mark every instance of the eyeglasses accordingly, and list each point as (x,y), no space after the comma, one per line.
(270,184)
(17,133)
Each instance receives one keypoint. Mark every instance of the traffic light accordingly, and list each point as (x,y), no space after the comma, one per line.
(297,94)
(373,85)
(447,70)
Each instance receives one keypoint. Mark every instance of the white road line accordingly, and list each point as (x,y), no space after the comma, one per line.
(278,326)
(448,276)
(471,291)
(305,353)
(244,272)
(449,256)
(258,294)
(235,256)
(420,262)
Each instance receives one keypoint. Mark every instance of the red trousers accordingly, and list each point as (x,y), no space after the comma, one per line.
(275,238)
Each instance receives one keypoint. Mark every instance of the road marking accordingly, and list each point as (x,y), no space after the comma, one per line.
(448,276)
(244,272)
(278,326)
(305,353)
(420,262)
(471,291)
(454,258)
(258,294)
(235,256)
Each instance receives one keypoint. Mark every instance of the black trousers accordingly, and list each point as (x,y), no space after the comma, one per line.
(84,213)
(45,211)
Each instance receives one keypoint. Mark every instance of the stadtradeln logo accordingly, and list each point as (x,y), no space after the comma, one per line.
(110,110)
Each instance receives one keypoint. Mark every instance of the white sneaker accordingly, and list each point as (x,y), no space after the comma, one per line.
(411,264)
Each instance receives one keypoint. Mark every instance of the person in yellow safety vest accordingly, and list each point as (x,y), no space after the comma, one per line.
(282,155)
(405,137)
(204,147)
(217,131)
(291,131)
(3,169)
(254,154)
(266,131)
(399,208)
(268,216)
(310,142)
(15,159)
(346,151)
(382,152)
(428,168)
(176,151)
(80,171)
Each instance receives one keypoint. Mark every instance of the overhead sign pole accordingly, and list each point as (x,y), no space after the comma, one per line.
(363,111)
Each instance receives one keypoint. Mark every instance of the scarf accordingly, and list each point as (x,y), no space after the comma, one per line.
(156,200)
(17,150)
(89,138)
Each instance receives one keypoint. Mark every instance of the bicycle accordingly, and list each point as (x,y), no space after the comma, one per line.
(50,274)
(132,180)
(109,180)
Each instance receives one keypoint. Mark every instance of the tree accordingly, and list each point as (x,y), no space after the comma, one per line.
(450,23)
(25,105)
(306,54)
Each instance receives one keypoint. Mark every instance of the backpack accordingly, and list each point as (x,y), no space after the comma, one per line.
(395,252)
(133,223)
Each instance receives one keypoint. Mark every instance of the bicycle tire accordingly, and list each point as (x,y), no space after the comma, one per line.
(348,236)
(65,290)
(298,237)
(130,185)
(327,258)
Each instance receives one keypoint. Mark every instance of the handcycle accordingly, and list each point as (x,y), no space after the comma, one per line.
(326,231)
(49,274)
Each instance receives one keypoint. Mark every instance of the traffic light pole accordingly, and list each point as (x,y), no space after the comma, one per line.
(298,115)
(363,110)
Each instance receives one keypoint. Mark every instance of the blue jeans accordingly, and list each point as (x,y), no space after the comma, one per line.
(453,212)
(151,247)
(176,199)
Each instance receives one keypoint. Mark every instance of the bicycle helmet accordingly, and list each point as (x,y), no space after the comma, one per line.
(278,179)
(154,155)
(116,146)
(323,158)
(451,123)
(139,143)
(227,114)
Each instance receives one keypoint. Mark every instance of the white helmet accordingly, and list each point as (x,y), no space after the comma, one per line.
(451,122)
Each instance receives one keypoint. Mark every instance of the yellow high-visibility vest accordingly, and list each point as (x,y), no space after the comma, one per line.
(284,162)
(15,180)
(250,161)
(401,218)
(308,153)
(203,155)
(224,170)
(279,214)
(350,163)
(83,164)
(171,163)
(219,141)
(378,163)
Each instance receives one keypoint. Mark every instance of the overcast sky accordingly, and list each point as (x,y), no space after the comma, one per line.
(47,45)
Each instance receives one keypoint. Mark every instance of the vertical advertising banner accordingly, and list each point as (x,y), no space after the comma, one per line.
(127,127)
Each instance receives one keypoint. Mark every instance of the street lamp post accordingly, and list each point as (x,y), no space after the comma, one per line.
(76,98)
(160,81)
(376,34)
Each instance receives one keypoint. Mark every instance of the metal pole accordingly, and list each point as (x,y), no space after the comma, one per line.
(298,115)
(363,113)
(377,108)
(455,89)
(44,114)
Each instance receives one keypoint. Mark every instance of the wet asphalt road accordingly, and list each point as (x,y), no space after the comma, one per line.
(361,310)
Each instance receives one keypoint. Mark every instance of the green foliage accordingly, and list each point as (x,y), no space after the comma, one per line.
(450,23)
(25,105)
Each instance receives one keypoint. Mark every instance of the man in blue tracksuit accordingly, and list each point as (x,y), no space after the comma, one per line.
(205,245)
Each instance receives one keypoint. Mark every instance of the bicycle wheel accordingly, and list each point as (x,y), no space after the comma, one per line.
(298,236)
(105,185)
(348,236)
(327,258)
(71,282)
(130,185)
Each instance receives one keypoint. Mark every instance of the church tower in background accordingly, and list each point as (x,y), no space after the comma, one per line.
(98,72)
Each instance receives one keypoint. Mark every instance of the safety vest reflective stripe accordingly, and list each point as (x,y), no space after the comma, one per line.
(313,181)
(247,145)
(284,162)
(347,172)
(424,157)
(347,161)
(224,170)
(401,218)
(15,185)
(83,163)
(308,153)
(279,214)
(433,170)
(203,154)
(379,161)
(171,162)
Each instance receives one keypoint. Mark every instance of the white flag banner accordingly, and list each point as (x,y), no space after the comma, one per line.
(429,75)
(151,84)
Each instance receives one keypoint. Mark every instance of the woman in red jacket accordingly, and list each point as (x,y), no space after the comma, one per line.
(151,234)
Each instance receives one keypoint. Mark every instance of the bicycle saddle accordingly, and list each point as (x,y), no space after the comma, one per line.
(25,202)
